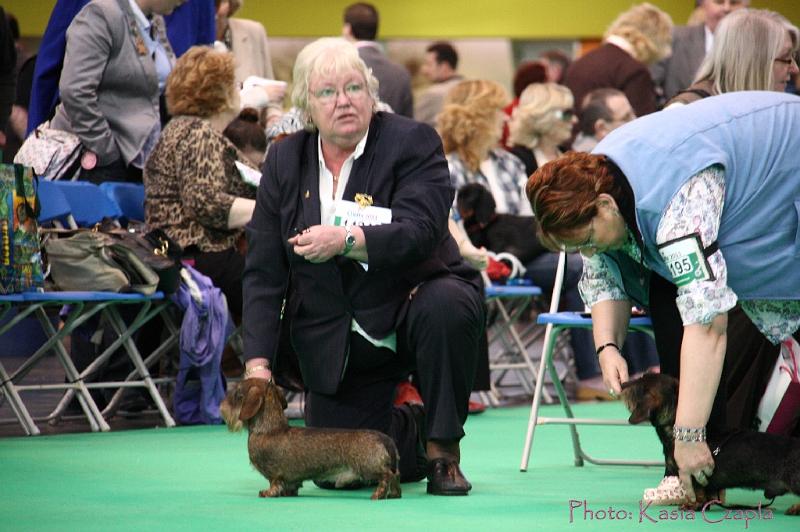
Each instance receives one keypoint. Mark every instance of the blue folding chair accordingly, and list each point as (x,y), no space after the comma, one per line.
(128,196)
(58,199)
(89,204)
(556,322)
(54,207)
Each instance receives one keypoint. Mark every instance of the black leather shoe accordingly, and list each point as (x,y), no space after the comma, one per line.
(446,478)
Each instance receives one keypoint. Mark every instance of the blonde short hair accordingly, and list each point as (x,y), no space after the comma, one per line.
(536,113)
(328,55)
(468,117)
(746,44)
(201,83)
(647,29)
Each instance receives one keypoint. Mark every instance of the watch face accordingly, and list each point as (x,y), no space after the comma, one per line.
(349,240)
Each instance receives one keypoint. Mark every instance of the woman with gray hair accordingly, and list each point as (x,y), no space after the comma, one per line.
(754,49)
(352,271)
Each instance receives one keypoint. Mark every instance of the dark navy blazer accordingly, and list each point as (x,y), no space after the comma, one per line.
(403,168)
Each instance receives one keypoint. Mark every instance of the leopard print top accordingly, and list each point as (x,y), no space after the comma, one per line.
(190,183)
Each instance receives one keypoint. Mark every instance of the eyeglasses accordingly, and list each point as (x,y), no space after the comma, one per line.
(564,114)
(589,243)
(328,95)
(785,60)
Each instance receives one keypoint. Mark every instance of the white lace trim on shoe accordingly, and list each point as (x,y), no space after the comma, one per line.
(668,493)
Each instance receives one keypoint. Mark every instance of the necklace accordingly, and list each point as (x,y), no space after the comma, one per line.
(336,179)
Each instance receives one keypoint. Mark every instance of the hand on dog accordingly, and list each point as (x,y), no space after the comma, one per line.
(614,368)
(319,243)
(694,460)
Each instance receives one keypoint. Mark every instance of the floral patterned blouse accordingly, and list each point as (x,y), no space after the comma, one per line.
(190,183)
(696,208)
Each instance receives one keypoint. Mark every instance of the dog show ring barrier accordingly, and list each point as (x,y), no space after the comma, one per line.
(556,322)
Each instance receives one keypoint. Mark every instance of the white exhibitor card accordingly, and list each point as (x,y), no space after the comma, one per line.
(361,213)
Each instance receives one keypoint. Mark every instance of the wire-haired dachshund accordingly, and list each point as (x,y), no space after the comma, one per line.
(742,458)
(287,456)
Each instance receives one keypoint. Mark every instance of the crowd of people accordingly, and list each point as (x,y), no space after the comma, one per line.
(660,162)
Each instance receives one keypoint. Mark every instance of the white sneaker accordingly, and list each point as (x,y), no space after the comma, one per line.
(668,493)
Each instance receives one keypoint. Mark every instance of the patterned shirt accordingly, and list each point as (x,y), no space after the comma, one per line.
(696,208)
(191,181)
(509,180)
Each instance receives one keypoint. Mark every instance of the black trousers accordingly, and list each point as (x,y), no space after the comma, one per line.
(224,268)
(439,338)
(749,357)
(115,171)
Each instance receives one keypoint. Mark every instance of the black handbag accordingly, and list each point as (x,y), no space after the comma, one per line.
(155,249)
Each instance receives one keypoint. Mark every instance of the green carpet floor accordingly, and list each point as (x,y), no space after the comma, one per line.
(199,478)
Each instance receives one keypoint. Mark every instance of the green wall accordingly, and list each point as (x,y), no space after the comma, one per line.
(426,19)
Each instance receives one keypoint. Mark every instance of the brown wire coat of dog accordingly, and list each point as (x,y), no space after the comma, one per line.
(287,456)
(742,458)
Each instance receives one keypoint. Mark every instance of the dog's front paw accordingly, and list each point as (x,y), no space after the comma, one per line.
(794,509)
(273,491)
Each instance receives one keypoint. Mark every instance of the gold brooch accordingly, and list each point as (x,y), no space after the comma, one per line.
(363,200)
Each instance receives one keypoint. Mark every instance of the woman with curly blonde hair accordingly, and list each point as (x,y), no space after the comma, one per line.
(638,38)
(193,187)
(541,122)
(470,124)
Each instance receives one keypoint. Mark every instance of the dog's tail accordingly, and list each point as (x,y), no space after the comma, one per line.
(391,450)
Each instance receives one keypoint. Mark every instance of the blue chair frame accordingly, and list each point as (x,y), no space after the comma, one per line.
(83,306)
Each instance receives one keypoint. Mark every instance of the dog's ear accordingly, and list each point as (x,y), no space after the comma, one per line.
(282,397)
(476,200)
(637,400)
(484,205)
(253,401)
(639,414)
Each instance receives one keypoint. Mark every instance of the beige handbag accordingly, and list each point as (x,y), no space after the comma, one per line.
(86,260)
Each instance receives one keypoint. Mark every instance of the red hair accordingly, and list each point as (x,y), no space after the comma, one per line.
(563,194)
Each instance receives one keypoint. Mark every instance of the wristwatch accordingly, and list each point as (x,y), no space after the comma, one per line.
(349,240)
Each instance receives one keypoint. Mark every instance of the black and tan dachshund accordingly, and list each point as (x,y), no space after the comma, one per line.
(742,458)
